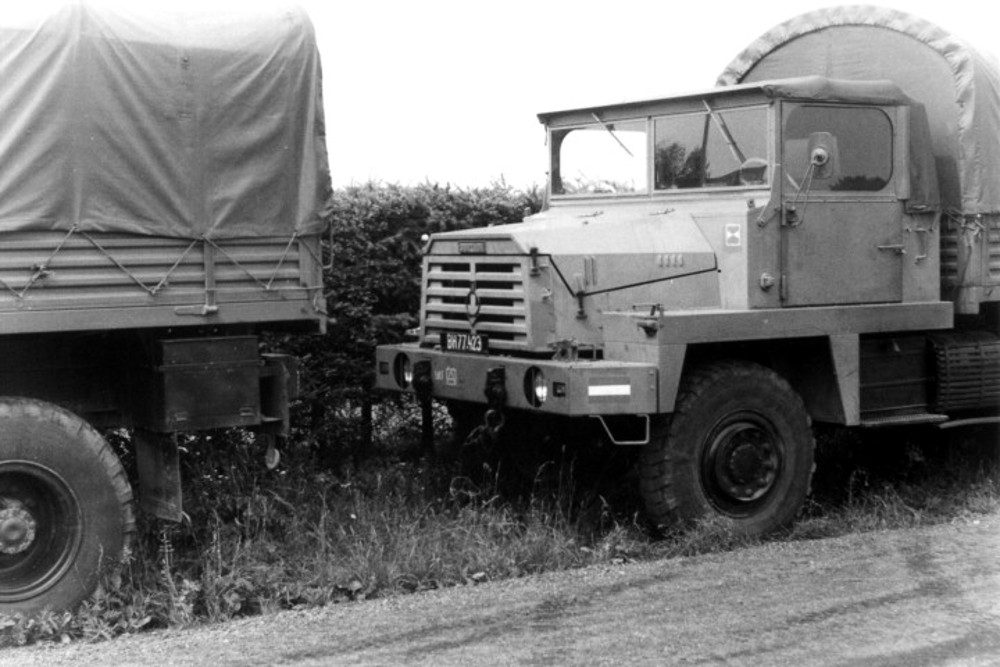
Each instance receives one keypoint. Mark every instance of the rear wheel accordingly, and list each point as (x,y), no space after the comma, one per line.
(739,446)
(65,507)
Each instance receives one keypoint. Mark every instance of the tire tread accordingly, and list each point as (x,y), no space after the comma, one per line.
(96,448)
(661,459)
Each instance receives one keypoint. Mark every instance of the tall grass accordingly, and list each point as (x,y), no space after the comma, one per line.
(306,536)
(901,479)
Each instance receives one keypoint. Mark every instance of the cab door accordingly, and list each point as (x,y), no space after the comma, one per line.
(842,224)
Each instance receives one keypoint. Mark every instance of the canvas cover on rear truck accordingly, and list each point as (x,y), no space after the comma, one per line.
(157,166)
(958,86)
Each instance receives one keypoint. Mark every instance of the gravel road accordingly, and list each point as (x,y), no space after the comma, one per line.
(929,596)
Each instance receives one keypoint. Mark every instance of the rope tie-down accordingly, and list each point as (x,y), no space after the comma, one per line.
(265,280)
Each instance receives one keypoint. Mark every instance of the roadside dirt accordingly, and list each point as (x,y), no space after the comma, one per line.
(917,597)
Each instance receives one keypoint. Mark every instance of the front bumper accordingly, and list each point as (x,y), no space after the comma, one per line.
(574,388)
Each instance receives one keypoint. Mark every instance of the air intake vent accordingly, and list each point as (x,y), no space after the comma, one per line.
(968,371)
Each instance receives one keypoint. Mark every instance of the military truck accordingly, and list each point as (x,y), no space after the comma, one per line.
(163,179)
(815,240)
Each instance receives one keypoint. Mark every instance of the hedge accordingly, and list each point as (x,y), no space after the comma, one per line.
(373,292)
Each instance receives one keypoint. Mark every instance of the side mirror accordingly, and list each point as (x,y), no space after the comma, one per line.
(824,158)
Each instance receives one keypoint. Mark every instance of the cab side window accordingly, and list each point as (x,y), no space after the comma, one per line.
(853,144)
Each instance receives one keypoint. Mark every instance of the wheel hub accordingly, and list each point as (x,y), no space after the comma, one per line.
(746,462)
(749,465)
(17,528)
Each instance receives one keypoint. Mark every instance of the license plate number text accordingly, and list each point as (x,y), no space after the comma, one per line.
(460,342)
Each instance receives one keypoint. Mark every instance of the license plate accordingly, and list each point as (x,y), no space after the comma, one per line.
(465,342)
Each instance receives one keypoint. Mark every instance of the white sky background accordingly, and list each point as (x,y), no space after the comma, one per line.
(448,91)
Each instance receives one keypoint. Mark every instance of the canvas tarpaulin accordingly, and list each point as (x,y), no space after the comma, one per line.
(958,86)
(155,122)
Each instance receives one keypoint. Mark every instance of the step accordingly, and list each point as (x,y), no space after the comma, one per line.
(903,420)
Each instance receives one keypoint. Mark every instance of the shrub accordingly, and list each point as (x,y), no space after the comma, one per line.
(373,293)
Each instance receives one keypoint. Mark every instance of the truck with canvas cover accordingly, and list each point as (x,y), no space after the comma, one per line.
(816,240)
(163,185)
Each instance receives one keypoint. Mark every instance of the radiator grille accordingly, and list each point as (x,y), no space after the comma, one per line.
(498,284)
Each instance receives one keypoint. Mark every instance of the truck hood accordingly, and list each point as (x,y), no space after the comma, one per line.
(595,250)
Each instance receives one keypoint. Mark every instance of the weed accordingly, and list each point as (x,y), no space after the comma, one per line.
(307,535)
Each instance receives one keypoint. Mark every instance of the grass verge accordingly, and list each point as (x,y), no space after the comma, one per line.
(305,536)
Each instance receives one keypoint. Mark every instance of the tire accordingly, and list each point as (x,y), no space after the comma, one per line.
(739,446)
(65,507)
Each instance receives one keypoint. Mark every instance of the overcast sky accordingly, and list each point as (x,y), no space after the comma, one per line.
(448,91)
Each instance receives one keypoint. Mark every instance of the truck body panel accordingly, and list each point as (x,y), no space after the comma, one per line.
(57,281)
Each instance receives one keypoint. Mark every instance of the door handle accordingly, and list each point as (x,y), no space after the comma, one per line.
(898,248)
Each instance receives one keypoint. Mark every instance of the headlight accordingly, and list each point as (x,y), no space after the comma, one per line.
(402,370)
(536,390)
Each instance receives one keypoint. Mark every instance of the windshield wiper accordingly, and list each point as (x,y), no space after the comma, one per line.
(721,123)
(611,131)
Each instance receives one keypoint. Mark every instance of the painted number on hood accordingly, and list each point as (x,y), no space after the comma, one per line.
(670,261)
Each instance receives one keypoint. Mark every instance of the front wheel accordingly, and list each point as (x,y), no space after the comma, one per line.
(65,507)
(738,446)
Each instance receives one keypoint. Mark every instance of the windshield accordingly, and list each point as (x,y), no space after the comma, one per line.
(704,149)
(605,158)
(712,149)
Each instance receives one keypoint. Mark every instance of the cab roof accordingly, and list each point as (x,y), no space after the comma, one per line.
(810,88)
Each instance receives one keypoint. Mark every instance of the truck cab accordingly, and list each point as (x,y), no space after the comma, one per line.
(740,213)
(752,163)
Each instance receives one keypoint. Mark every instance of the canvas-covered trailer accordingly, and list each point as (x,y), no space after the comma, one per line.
(157,170)
(957,85)
(163,191)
